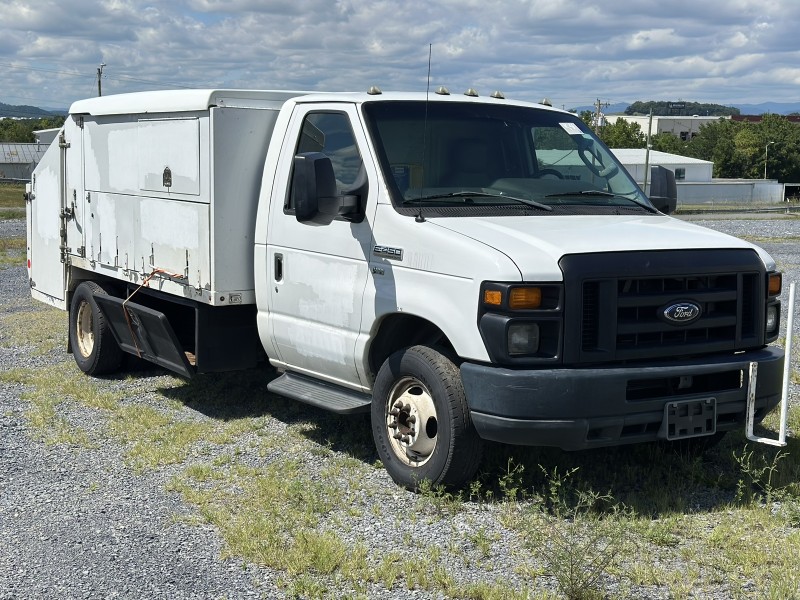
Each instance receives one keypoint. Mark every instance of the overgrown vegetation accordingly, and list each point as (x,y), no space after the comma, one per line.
(298,490)
(669,108)
(21,130)
(737,148)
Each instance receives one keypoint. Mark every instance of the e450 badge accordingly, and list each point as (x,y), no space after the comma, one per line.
(388,252)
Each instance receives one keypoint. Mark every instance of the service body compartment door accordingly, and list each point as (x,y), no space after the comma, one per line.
(47,236)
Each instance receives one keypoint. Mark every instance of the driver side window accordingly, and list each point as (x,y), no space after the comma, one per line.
(331,134)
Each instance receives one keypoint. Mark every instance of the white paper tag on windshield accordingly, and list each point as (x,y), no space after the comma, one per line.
(571,128)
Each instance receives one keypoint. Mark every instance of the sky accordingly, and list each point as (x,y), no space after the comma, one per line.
(572,52)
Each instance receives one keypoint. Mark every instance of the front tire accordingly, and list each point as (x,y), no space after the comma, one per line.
(420,420)
(93,345)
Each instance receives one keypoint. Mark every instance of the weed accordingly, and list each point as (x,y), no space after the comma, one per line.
(305,586)
(758,474)
(389,569)
(510,482)
(580,537)
(440,498)
(482,541)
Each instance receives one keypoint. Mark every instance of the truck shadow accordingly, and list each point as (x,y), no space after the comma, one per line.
(652,479)
(244,394)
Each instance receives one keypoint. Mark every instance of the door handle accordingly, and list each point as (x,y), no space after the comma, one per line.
(278,271)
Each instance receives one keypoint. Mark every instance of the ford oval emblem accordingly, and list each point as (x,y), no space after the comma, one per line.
(682,313)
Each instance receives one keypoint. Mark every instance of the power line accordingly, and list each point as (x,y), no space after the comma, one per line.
(122,78)
(598,115)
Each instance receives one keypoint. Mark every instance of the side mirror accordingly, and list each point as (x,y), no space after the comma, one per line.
(663,189)
(315,196)
(314,189)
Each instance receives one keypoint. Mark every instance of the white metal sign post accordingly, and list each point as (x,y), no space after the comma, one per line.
(787,374)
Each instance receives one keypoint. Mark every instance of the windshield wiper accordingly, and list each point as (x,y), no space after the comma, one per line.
(585,193)
(602,194)
(467,194)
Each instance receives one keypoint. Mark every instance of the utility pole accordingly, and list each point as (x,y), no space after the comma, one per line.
(598,115)
(647,151)
(766,156)
(99,78)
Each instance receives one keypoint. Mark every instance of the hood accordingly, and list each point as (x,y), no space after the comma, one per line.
(536,244)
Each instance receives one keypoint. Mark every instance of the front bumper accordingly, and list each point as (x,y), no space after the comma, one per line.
(577,408)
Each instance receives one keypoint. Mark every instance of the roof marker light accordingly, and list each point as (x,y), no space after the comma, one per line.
(499,95)
(471,92)
(442,91)
(374,90)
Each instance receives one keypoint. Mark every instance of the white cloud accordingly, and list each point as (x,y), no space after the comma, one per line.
(572,51)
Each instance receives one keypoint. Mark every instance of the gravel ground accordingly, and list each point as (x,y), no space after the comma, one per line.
(78,522)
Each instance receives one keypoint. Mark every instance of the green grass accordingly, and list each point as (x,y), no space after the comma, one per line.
(9,214)
(44,330)
(12,203)
(11,195)
(12,251)
(760,239)
(290,488)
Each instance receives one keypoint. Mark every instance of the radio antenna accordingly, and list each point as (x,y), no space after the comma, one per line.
(420,218)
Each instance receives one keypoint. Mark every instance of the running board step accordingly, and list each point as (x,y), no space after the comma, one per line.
(322,395)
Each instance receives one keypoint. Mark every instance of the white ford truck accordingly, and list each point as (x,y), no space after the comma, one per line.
(463,267)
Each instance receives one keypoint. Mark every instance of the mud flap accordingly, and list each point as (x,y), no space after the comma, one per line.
(145,333)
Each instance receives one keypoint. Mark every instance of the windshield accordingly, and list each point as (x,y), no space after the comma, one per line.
(441,154)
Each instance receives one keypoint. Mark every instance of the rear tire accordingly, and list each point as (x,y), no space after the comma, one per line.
(93,345)
(420,420)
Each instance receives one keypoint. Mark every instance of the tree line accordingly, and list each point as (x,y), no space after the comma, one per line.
(738,149)
(665,108)
(21,130)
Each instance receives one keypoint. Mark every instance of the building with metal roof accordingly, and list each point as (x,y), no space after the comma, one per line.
(17,161)
(695,182)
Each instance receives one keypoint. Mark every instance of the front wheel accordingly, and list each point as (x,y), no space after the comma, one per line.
(93,345)
(420,420)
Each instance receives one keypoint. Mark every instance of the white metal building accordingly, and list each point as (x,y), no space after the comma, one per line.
(685,168)
(681,127)
(695,182)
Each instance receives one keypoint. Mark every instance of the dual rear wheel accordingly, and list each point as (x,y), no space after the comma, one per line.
(93,345)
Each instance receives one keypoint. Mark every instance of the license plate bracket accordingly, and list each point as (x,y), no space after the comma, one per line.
(689,418)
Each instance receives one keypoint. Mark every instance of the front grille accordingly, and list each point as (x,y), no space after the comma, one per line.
(622,316)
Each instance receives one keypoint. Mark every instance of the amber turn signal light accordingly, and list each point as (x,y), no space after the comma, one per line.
(775,284)
(493,297)
(525,298)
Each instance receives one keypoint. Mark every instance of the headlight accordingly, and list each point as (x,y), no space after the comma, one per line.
(523,338)
(521,322)
(772,318)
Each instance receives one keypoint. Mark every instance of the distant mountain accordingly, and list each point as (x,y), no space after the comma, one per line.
(776,108)
(617,108)
(24,111)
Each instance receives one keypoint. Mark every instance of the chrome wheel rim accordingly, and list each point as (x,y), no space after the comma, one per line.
(84,331)
(411,422)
